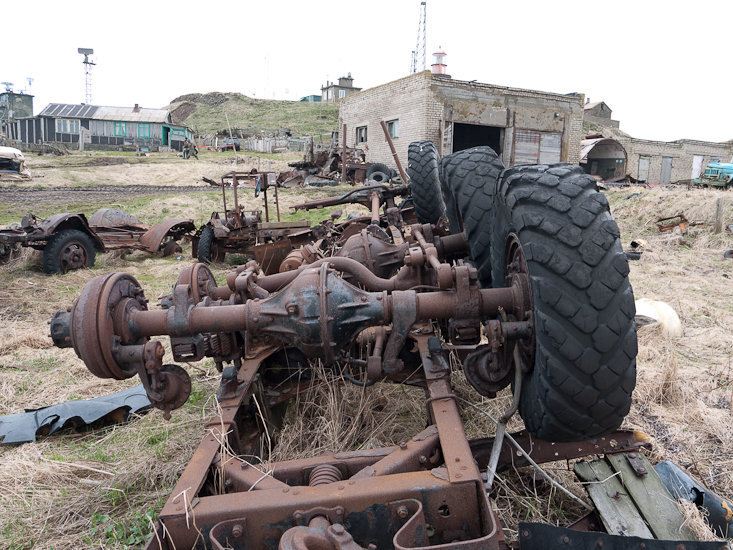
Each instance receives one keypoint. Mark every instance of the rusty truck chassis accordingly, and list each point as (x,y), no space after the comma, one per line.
(426,492)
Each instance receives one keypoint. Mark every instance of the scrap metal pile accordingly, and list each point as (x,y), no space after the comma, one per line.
(529,288)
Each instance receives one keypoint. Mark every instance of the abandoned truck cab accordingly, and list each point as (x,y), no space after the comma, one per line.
(529,289)
(717,174)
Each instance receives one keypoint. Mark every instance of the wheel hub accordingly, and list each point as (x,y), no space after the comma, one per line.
(490,368)
(72,256)
(516,274)
(96,326)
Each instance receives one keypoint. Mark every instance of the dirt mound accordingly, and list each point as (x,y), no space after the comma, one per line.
(211,98)
(183,111)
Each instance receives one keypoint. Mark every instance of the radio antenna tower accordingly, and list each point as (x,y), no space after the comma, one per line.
(419,53)
(88,64)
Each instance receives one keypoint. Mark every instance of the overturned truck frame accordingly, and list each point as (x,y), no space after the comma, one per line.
(549,311)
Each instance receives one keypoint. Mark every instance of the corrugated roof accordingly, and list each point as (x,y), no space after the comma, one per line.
(70,111)
(129,114)
(126,114)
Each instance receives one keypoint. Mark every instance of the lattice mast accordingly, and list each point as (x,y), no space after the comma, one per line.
(88,64)
(419,53)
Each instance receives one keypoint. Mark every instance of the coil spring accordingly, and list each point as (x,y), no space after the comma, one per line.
(323,474)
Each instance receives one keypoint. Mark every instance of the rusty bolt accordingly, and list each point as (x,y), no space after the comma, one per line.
(338,529)
(403,445)
(237,531)
(402,512)
(525,533)
(423,459)
(599,544)
(566,540)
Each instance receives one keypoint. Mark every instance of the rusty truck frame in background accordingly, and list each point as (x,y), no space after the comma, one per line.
(70,241)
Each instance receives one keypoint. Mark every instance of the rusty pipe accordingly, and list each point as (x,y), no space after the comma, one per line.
(375,207)
(394,152)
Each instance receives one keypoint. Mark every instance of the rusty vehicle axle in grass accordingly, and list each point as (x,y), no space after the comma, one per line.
(533,293)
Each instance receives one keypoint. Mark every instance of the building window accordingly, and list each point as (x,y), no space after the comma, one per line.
(67,126)
(342,93)
(393,128)
(361,134)
(120,129)
(143,129)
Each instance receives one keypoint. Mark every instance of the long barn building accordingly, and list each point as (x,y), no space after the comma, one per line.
(100,127)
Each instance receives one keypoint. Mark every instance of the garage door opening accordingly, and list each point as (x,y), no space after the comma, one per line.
(604,158)
(466,136)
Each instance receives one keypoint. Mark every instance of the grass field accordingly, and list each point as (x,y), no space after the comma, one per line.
(103,488)
(207,113)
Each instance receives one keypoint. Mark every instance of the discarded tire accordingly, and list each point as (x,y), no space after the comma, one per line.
(584,369)
(422,169)
(378,172)
(68,250)
(208,250)
(469,182)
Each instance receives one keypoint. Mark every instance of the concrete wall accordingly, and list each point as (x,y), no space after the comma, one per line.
(426,104)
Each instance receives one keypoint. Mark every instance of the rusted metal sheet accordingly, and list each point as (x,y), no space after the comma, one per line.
(112,218)
(171,228)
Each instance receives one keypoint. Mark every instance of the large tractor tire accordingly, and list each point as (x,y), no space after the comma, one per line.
(208,249)
(422,169)
(67,250)
(469,181)
(580,370)
(378,172)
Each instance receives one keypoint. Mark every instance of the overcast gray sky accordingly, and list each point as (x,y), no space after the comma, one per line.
(664,70)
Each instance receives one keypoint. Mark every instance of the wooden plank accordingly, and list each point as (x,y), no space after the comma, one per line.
(616,508)
(657,506)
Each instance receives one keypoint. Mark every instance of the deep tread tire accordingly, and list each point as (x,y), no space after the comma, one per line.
(207,249)
(422,170)
(469,181)
(383,169)
(585,357)
(59,242)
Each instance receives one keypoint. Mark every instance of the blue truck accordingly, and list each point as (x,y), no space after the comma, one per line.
(717,174)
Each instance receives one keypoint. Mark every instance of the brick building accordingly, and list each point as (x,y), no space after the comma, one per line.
(522,126)
(333,93)
(662,162)
(599,113)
